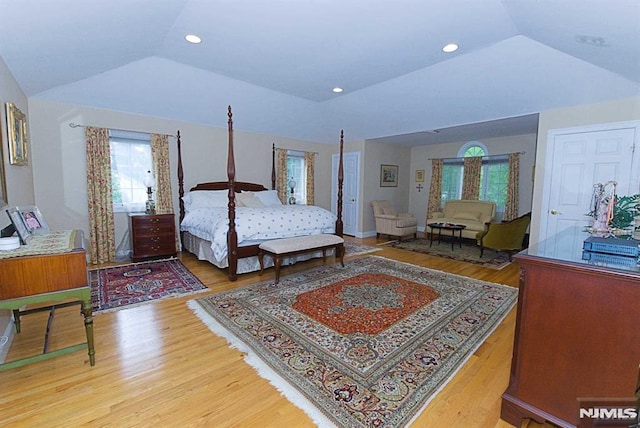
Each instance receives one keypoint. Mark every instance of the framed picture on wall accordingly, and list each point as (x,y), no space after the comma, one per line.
(4,200)
(388,175)
(17,133)
(419,175)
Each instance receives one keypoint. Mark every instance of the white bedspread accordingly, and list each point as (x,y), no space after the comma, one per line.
(257,224)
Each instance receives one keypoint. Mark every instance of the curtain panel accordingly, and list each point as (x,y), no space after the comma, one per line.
(99,196)
(281,175)
(471,178)
(435,188)
(162,173)
(511,204)
(309,162)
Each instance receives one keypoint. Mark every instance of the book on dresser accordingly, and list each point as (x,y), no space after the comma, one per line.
(152,236)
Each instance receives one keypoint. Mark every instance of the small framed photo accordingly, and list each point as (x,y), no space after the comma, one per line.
(388,175)
(33,220)
(21,229)
(419,175)
(17,133)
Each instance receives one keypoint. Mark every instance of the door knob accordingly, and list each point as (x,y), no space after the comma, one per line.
(554,212)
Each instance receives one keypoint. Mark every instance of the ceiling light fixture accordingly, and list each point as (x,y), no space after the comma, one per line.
(192,38)
(337,90)
(451,47)
(596,41)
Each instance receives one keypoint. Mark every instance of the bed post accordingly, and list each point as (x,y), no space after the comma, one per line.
(273,166)
(339,225)
(180,185)
(232,235)
(180,179)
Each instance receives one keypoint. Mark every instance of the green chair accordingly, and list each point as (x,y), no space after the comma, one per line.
(507,236)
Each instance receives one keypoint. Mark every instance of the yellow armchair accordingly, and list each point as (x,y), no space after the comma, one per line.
(506,236)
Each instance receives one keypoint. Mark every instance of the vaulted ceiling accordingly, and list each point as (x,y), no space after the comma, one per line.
(277,61)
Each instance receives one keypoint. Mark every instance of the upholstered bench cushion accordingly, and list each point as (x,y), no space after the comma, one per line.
(281,248)
(300,243)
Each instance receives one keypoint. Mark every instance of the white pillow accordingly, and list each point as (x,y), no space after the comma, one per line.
(247,199)
(268,197)
(206,199)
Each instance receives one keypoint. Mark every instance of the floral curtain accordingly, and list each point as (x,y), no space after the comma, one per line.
(281,176)
(309,158)
(162,173)
(471,177)
(435,188)
(511,204)
(99,195)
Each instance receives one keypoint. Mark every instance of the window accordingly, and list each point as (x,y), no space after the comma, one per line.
(297,171)
(493,178)
(130,160)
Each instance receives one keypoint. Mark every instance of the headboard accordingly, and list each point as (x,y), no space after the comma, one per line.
(239,186)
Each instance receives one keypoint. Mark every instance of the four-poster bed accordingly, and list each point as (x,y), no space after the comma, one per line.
(230,237)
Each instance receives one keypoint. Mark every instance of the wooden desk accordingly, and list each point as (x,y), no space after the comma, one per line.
(35,279)
(576,335)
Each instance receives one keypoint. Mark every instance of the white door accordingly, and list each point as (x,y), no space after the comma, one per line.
(351,185)
(577,160)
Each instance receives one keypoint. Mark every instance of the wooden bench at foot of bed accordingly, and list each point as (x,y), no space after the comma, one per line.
(280,248)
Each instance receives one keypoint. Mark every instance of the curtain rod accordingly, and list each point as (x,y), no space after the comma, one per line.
(483,157)
(75,125)
(294,150)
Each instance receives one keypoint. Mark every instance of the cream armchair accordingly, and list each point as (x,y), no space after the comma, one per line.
(390,223)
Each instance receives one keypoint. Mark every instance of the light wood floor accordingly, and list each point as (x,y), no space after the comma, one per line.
(158,365)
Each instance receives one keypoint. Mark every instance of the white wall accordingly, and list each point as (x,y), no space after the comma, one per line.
(375,155)
(18,179)
(614,111)
(421,159)
(60,165)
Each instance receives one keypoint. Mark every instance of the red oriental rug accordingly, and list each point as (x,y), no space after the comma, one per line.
(366,345)
(132,284)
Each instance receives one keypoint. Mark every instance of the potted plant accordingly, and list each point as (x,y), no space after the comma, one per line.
(625,209)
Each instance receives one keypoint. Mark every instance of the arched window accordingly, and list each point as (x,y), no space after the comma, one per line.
(473,148)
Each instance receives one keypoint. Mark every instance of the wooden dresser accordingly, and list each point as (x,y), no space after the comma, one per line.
(152,236)
(577,333)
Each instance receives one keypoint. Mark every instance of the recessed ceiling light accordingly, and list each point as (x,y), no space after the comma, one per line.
(451,47)
(337,90)
(192,38)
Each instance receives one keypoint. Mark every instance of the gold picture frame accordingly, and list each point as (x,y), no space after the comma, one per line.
(419,175)
(4,198)
(18,136)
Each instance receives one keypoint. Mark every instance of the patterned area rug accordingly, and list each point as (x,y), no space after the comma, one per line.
(354,249)
(122,286)
(366,345)
(470,252)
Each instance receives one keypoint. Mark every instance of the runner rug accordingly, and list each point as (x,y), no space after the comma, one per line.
(470,252)
(366,345)
(132,284)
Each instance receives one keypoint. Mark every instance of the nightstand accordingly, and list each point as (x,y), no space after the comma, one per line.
(152,236)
